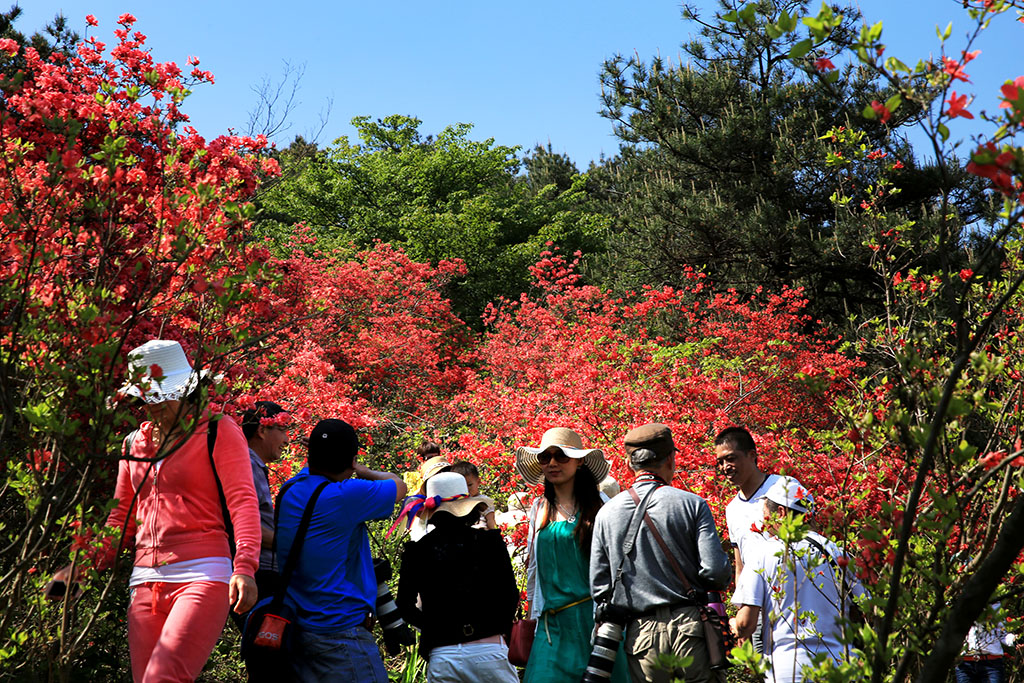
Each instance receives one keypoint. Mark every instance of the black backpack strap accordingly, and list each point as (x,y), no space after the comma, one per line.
(277,510)
(632,531)
(836,569)
(211,442)
(297,543)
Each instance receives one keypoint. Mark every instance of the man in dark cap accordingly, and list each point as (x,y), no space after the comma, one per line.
(333,589)
(632,576)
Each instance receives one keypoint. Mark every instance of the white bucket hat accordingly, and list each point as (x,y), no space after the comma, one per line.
(567,441)
(448,492)
(790,493)
(164,371)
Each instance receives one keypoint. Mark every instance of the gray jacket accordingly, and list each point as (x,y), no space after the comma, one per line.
(648,580)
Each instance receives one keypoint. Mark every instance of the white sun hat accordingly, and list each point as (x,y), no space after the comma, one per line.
(567,441)
(163,370)
(448,492)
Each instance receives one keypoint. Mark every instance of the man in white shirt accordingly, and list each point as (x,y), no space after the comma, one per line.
(736,459)
(802,589)
(984,658)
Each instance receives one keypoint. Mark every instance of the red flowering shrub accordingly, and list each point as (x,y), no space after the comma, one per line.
(573,355)
(370,340)
(120,223)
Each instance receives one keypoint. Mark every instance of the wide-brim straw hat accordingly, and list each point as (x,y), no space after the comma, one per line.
(164,371)
(570,443)
(432,466)
(451,493)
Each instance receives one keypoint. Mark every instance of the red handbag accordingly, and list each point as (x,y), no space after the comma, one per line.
(520,641)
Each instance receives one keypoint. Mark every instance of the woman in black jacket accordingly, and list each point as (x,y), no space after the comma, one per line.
(465,585)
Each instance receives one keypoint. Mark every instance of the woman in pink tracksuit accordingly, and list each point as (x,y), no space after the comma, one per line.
(184,579)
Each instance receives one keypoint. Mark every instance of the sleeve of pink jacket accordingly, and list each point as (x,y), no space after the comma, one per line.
(124,494)
(231,456)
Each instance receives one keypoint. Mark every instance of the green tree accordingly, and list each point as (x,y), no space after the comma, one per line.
(546,167)
(723,166)
(440,197)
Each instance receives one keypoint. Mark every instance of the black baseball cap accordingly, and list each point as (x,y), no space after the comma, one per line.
(333,445)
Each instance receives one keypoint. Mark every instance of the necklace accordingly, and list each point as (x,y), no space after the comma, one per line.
(569,517)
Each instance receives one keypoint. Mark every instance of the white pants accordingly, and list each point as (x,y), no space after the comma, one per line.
(471,663)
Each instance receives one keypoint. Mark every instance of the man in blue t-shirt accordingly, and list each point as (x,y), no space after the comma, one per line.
(333,589)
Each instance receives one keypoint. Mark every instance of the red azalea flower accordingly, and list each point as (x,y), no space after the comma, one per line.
(881,110)
(1013,92)
(824,64)
(90,20)
(966,274)
(990,460)
(955,69)
(957,106)
(156,371)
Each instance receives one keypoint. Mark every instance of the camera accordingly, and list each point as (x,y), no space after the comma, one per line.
(396,631)
(610,630)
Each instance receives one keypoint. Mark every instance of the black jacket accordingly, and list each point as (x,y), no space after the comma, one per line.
(465,582)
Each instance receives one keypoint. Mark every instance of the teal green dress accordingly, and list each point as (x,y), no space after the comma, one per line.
(561,646)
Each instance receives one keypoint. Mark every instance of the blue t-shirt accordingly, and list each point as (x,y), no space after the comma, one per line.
(333,586)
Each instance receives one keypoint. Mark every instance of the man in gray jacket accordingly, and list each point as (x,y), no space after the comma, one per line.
(641,588)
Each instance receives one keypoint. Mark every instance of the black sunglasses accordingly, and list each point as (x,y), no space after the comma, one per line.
(545,457)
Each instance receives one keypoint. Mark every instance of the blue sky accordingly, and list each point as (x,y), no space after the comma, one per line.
(522,72)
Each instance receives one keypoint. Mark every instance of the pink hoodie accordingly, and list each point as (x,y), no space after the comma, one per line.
(177,513)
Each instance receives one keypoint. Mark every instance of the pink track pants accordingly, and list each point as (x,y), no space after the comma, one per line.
(173,627)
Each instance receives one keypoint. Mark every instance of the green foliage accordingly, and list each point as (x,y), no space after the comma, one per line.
(54,37)
(448,197)
(723,168)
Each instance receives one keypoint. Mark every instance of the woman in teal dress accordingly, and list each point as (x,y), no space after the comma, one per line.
(558,548)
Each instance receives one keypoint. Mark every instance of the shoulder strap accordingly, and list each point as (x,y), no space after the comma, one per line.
(828,557)
(664,548)
(634,521)
(533,522)
(631,533)
(297,543)
(211,442)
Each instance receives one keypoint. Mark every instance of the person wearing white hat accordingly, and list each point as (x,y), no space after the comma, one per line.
(413,513)
(803,588)
(457,586)
(171,494)
(561,526)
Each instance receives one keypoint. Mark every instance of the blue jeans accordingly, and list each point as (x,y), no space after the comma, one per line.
(993,671)
(349,656)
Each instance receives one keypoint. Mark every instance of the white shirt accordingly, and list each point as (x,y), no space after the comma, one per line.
(741,513)
(988,639)
(800,597)
(201,569)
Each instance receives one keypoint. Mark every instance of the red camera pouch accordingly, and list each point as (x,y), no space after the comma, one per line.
(271,633)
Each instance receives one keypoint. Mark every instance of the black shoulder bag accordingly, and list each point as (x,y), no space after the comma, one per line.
(270,627)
